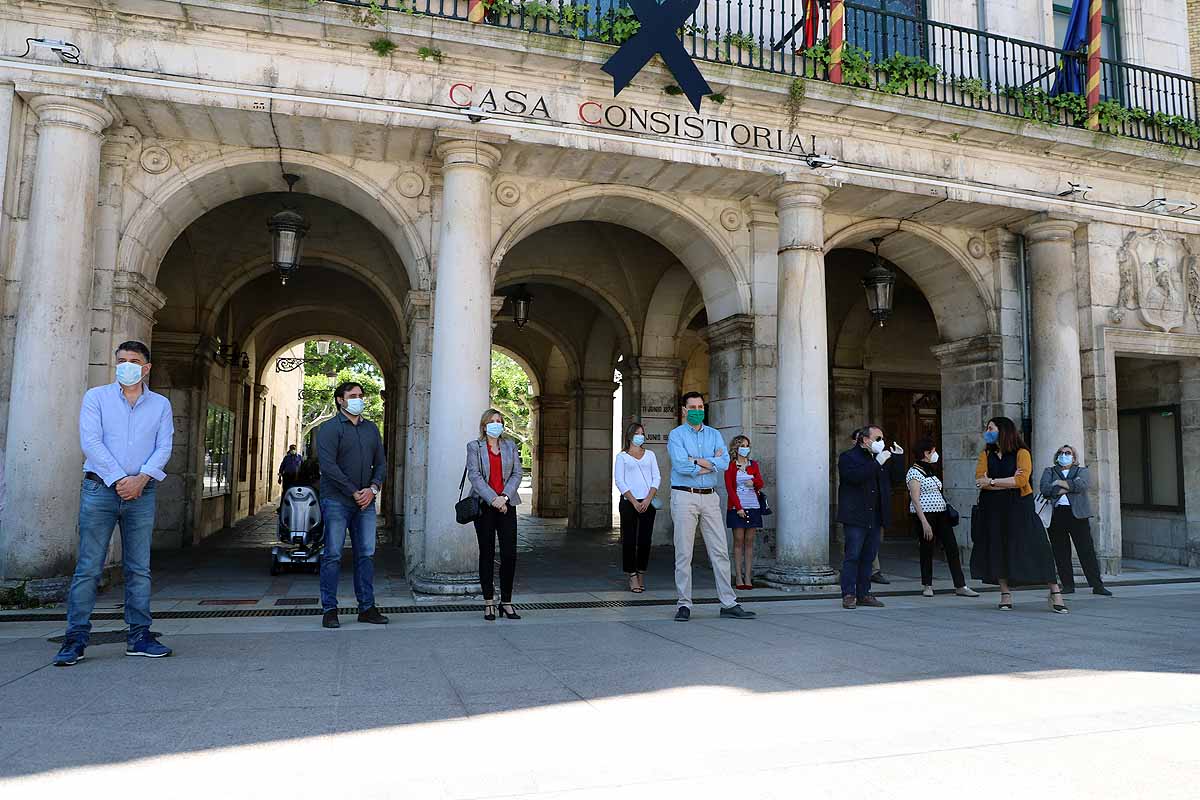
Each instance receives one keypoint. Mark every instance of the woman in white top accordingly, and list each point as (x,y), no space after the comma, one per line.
(636,475)
(927,513)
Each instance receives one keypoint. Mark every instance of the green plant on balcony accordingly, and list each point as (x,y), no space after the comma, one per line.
(533,11)
(430,52)
(494,9)
(742,41)
(857,69)
(573,19)
(382,46)
(795,97)
(1174,122)
(973,88)
(618,26)
(905,71)
(1036,104)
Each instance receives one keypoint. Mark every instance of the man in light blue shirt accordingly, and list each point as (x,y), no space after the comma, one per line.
(125,431)
(698,458)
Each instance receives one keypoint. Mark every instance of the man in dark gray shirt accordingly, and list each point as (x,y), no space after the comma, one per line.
(353,466)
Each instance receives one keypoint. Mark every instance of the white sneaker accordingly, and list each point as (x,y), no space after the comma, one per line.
(966,591)
(927,591)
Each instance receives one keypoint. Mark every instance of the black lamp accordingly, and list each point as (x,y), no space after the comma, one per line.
(521,301)
(880,283)
(287,229)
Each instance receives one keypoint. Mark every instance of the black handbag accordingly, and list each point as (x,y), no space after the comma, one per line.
(468,509)
(764,508)
(952,516)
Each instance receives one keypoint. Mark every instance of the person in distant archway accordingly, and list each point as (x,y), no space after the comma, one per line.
(289,469)
(1010,545)
(697,455)
(353,466)
(636,475)
(494,472)
(743,481)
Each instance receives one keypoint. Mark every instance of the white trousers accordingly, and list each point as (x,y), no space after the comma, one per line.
(688,510)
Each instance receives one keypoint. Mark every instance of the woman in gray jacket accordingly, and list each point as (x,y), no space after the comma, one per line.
(1066,486)
(494,470)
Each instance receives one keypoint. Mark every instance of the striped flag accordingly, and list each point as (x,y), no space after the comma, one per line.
(1070,74)
(837,39)
(1095,14)
(475,10)
(812,23)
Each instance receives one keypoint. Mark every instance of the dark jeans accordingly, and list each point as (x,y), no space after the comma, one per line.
(636,530)
(942,532)
(862,545)
(100,510)
(489,527)
(339,518)
(1064,529)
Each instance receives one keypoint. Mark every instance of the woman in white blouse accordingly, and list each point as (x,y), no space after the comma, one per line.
(927,512)
(636,475)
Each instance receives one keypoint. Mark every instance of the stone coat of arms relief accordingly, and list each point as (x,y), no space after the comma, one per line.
(1160,278)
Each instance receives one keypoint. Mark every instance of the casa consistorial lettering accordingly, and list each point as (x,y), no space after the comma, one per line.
(682,126)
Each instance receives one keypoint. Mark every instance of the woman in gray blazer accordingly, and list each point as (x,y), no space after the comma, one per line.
(494,470)
(1066,486)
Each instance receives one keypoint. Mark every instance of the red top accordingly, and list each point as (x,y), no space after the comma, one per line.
(731,482)
(495,472)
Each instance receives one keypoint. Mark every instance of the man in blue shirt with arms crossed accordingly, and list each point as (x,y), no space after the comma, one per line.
(697,456)
(125,431)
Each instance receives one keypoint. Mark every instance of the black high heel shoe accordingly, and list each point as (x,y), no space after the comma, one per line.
(1057,608)
(509,614)
(1003,605)
(489,612)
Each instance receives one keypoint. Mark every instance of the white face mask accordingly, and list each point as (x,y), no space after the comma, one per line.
(354,406)
(877,446)
(494,429)
(129,373)
(933,457)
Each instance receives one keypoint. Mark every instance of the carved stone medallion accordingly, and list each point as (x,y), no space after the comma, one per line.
(155,159)
(1156,279)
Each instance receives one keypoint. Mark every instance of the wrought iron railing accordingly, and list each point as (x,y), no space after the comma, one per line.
(886,51)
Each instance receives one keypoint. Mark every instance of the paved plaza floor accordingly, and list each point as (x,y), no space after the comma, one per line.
(926,698)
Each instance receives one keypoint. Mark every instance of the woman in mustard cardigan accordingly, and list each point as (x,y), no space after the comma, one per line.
(1010,544)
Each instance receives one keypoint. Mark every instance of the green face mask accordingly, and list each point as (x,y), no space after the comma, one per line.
(695,416)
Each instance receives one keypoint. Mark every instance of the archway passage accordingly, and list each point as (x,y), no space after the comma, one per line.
(230,351)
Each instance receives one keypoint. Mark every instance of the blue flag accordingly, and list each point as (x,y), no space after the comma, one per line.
(1072,69)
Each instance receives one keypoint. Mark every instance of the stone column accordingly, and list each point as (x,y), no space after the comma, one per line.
(553,443)
(802,443)
(1057,388)
(591,503)
(659,414)
(461,368)
(416,438)
(42,462)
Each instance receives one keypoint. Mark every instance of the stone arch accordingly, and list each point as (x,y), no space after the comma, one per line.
(188,194)
(237,278)
(535,377)
(317,330)
(706,254)
(590,290)
(962,308)
(667,313)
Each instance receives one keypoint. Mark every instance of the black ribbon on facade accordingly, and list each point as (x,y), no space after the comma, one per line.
(657,36)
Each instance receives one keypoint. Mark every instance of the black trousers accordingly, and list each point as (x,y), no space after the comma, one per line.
(636,530)
(1064,529)
(492,526)
(943,533)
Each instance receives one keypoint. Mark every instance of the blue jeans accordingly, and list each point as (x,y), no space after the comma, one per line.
(361,524)
(100,510)
(862,545)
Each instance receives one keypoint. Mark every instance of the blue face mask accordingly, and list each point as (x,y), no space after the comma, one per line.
(1065,459)
(129,373)
(638,440)
(991,437)
(744,452)
(354,406)
(494,429)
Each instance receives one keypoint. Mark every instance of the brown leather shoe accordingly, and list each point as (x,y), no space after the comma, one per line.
(849,601)
(871,601)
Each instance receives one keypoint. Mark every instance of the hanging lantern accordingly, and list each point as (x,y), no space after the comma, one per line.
(287,229)
(879,283)
(521,301)
(322,348)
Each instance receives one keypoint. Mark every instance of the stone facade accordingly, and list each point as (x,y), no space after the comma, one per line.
(676,265)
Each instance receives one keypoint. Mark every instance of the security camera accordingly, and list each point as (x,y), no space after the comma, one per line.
(475,114)
(67,52)
(820,161)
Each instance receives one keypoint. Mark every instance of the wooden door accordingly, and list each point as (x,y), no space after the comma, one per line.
(908,415)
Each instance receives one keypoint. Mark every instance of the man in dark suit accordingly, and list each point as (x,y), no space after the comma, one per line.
(865,479)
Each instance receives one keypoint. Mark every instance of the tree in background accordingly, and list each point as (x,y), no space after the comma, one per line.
(510,396)
(322,374)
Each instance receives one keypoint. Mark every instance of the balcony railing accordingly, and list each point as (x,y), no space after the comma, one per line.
(886,52)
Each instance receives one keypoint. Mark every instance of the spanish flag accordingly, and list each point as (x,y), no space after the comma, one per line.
(475,10)
(812,23)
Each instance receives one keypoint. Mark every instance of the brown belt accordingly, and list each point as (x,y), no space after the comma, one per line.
(693,491)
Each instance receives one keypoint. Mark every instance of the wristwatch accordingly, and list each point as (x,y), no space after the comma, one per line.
(991,481)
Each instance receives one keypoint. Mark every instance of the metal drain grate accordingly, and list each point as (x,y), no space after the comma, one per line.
(449,608)
(297,601)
